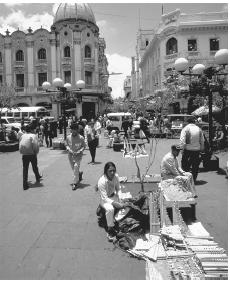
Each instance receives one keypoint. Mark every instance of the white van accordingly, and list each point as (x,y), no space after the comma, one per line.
(117,118)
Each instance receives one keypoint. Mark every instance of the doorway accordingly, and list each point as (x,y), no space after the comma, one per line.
(88,110)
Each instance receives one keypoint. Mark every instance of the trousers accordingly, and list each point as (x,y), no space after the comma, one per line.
(26,160)
(75,161)
(109,211)
(191,160)
(92,148)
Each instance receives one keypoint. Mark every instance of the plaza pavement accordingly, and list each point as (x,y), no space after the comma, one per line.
(51,232)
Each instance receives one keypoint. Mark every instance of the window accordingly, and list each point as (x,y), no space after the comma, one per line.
(88,77)
(87,52)
(67,52)
(67,75)
(0,57)
(192,45)
(42,77)
(42,54)
(171,46)
(20,80)
(146,42)
(19,55)
(0,80)
(214,44)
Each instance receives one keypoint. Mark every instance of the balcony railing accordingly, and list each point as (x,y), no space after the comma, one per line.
(171,56)
(90,61)
(19,89)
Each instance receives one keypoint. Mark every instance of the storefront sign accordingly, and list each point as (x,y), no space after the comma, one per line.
(89,99)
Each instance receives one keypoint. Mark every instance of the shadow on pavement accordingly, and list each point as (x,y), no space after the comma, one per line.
(35,185)
(83,185)
(221,172)
(200,182)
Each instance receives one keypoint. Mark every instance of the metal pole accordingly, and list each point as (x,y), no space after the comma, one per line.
(64,115)
(210,117)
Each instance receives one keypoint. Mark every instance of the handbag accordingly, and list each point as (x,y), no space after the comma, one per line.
(142,134)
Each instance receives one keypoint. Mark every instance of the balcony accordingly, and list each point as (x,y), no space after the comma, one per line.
(171,56)
(19,89)
(40,89)
(19,64)
(89,62)
(193,53)
(66,61)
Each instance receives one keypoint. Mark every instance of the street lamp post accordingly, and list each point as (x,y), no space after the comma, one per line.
(65,91)
(181,65)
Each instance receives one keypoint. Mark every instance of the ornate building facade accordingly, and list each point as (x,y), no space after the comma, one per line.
(195,37)
(72,51)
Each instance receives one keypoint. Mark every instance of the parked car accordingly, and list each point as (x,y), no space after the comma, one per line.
(9,122)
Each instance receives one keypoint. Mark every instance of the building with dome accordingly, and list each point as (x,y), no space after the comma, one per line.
(72,50)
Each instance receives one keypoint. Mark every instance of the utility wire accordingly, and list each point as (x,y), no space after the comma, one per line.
(122,16)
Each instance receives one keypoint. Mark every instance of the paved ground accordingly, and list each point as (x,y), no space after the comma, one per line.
(51,232)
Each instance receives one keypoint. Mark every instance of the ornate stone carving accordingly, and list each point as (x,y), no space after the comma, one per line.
(77,41)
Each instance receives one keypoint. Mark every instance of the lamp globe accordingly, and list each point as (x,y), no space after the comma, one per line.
(80,84)
(57,82)
(46,85)
(198,68)
(181,64)
(221,57)
(67,86)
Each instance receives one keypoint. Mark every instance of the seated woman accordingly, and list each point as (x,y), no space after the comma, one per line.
(170,170)
(110,191)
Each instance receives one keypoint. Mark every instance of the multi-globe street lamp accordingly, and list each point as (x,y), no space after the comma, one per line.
(182,64)
(63,93)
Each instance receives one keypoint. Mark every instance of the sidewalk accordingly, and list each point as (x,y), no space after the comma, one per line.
(51,232)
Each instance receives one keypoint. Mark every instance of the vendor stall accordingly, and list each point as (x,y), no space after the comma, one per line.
(154,228)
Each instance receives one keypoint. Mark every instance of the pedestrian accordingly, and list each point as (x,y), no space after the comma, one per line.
(60,124)
(170,169)
(48,133)
(97,127)
(110,190)
(144,128)
(91,138)
(75,145)
(29,148)
(125,126)
(192,142)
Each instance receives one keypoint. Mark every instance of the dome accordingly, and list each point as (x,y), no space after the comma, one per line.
(77,11)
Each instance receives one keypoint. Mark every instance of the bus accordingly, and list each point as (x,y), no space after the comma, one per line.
(25,112)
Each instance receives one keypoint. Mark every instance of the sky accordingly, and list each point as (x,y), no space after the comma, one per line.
(118,25)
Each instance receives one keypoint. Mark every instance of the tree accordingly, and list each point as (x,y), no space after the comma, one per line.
(7,97)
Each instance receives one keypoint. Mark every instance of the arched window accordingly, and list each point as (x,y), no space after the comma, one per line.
(171,46)
(67,52)
(19,55)
(87,52)
(42,54)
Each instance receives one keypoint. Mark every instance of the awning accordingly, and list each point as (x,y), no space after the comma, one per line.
(204,110)
(70,109)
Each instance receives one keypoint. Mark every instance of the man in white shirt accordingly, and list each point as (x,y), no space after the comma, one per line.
(171,170)
(192,142)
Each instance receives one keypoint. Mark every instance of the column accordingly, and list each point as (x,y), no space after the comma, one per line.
(30,64)
(8,61)
(95,77)
(53,57)
(77,56)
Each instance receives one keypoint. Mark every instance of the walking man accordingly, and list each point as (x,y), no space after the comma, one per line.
(29,148)
(92,140)
(192,142)
(75,145)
